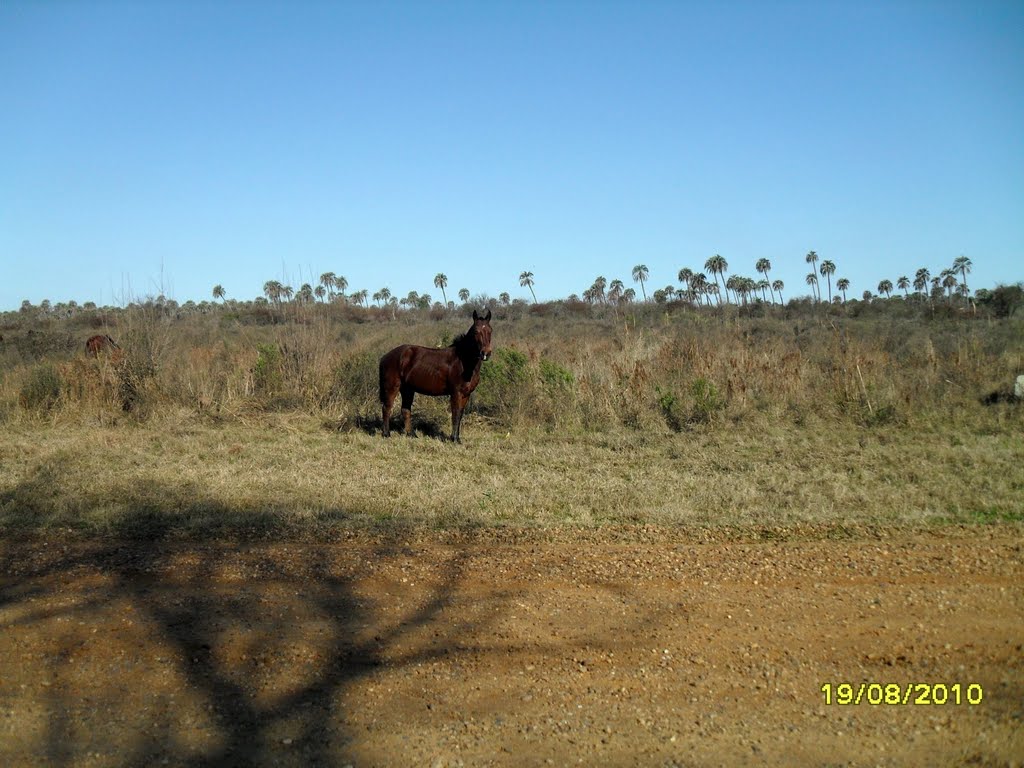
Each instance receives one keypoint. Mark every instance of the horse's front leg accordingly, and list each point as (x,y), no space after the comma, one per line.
(458,407)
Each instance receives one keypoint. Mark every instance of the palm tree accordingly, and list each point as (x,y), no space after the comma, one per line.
(598,288)
(341,284)
(764,267)
(377,297)
(777,286)
(685,275)
(305,294)
(327,281)
(730,285)
(627,296)
(812,280)
(885,287)
(828,269)
(921,278)
(640,275)
(526,281)
(218,292)
(319,292)
(717,265)
(464,294)
(949,281)
(812,259)
(762,286)
(842,284)
(359,297)
(441,281)
(504,298)
(903,283)
(699,285)
(615,289)
(963,265)
(273,290)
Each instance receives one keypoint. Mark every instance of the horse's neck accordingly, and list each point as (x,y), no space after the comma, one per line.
(468,352)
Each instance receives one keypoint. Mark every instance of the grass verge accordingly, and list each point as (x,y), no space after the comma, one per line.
(288,475)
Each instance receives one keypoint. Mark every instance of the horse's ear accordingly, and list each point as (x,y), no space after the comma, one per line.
(475,316)
(488,315)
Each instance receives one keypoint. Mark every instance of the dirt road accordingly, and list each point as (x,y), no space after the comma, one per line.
(502,648)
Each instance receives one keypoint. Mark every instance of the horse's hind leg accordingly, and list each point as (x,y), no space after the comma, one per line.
(387,402)
(385,414)
(407,396)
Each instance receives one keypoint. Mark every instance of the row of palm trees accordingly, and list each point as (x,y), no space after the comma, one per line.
(697,288)
(944,283)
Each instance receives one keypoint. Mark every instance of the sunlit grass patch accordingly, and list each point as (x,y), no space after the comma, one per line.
(288,475)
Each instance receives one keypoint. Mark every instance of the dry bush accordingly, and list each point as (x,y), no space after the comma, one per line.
(557,369)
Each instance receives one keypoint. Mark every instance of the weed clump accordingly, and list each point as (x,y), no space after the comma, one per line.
(42,391)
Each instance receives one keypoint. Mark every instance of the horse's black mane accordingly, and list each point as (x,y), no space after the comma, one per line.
(460,340)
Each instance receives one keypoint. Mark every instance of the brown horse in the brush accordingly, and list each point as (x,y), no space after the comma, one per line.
(96,344)
(452,371)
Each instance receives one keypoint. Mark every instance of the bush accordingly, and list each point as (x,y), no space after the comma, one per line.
(502,381)
(267,377)
(669,405)
(356,381)
(706,401)
(555,378)
(41,392)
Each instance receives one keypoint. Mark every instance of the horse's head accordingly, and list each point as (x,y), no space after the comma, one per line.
(482,332)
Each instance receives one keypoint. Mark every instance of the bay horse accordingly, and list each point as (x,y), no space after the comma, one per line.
(452,371)
(95,344)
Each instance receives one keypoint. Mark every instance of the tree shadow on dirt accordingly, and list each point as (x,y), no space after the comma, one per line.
(212,647)
(225,620)
(220,636)
(193,617)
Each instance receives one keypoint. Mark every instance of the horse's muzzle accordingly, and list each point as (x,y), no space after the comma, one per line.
(485,356)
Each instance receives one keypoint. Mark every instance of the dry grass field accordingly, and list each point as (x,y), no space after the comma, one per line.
(294,474)
(662,534)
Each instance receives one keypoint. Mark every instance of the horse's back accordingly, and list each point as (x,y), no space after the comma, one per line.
(425,370)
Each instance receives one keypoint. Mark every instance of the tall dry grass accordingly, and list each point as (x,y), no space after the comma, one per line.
(556,369)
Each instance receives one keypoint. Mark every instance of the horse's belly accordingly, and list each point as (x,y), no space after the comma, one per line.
(428,388)
(427,380)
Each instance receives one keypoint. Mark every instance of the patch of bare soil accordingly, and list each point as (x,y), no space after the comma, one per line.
(514,649)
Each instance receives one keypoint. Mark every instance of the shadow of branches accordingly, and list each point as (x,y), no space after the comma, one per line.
(252,644)
(191,635)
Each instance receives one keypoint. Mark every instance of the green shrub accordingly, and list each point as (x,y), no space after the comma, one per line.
(669,405)
(706,401)
(266,374)
(554,377)
(502,380)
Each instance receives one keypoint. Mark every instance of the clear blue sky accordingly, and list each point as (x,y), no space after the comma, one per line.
(171,146)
